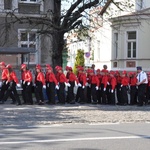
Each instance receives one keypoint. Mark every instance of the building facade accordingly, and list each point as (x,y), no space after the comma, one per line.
(16,32)
(121,41)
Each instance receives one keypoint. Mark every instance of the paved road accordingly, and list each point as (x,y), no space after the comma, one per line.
(115,136)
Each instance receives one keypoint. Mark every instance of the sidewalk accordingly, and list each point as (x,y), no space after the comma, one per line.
(30,115)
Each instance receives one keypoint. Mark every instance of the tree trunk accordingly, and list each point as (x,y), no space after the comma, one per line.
(58,45)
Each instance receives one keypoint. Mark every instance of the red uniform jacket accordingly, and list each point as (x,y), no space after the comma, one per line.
(88,79)
(47,76)
(40,78)
(62,78)
(67,75)
(100,79)
(4,74)
(12,77)
(119,79)
(82,78)
(104,80)
(52,78)
(133,81)
(72,77)
(95,80)
(57,76)
(113,83)
(27,76)
(125,81)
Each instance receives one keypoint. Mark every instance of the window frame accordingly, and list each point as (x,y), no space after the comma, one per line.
(131,41)
(28,1)
(28,43)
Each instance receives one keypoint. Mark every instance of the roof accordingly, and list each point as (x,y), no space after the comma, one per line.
(16,50)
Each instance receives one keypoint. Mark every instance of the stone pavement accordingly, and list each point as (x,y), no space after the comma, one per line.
(31,115)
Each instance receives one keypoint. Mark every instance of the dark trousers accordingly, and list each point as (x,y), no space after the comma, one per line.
(88,94)
(39,92)
(133,95)
(112,96)
(124,97)
(51,92)
(93,93)
(47,91)
(99,96)
(77,95)
(4,87)
(70,93)
(61,93)
(27,93)
(12,90)
(104,97)
(118,93)
(141,93)
(81,94)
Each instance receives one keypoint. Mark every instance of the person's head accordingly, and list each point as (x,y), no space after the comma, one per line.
(93,66)
(104,66)
(9,67)
(60,69)
(124,73)
(38,68)
(2,65)
(70,69)
(23,67)
(98,71)
(139,69)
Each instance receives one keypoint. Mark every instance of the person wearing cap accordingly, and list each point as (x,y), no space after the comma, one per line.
(133,88)
(124,88)
(39,85)
(52,84)
(4,86)
(148,88)
(81,85)
(12,81)
(99,93)
(118,87)
(26,85)
(88,80)
(72,79)
(113,84)
(141,83)
(62,82)
(104,84)
(94,86)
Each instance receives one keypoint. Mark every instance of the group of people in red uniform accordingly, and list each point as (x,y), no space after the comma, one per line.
(93,86)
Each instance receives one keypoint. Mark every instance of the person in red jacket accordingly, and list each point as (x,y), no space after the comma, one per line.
(113,84)
(104,85)
(124,88)
(81,85)
(118,87)
(12,81)
(72,79)
(99,93)
(62,81)
(148,89)
(39,85)
(26,85)
(4,86)
(133,88)
(94,86)
(52,84)
(88,80)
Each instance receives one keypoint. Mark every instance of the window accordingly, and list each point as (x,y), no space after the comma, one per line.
(8,4)
(29,1)
(116,45)
(28,40)
(131,64)
(141,4)
(131,44)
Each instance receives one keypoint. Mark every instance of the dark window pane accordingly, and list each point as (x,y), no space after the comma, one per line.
(129,50)
(24,37)
(7,4)
(131,35)
(24,45)
(32,37)
(134,49)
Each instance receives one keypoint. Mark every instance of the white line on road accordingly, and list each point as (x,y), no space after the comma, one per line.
(96,124)
(45,126)
(75,139)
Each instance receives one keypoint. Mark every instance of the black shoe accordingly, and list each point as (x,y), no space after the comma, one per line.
(140,105)
(72,102)
(18,104)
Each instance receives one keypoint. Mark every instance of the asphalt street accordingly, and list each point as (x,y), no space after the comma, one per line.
(99,136)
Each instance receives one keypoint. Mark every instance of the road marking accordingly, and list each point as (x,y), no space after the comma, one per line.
(97,124)
(45,126)
(75,139)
